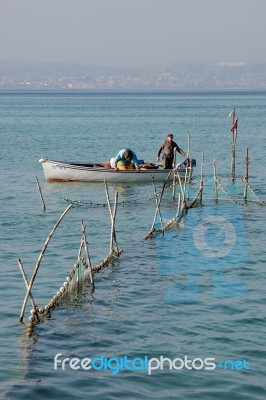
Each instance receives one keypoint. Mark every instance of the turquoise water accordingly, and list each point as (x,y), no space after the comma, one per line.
(164,297)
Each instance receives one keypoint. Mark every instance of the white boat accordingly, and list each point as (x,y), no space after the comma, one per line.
(68,171)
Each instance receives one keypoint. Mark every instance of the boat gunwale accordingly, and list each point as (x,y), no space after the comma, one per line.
(82,166)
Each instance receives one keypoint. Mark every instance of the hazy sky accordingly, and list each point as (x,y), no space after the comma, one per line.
(133,32)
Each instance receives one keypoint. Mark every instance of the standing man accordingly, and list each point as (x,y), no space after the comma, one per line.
(168,148)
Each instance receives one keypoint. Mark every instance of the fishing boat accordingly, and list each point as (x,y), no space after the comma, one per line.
(70,171)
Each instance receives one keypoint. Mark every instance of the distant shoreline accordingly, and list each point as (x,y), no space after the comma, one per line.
(229,91)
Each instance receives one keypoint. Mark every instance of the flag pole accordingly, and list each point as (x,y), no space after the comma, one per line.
(234,132)
(246,176)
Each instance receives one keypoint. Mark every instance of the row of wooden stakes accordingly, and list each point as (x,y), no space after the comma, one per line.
(82,270)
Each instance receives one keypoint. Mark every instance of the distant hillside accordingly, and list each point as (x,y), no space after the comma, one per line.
(17,74)
(20,67)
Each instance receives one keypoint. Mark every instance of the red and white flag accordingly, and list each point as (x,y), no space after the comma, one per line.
(232,113)
(234,126)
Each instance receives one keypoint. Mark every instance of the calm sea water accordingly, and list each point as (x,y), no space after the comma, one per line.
(173,296)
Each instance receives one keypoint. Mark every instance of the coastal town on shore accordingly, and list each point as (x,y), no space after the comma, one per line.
(223,75)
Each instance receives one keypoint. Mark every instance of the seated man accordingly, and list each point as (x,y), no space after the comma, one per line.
(126,159)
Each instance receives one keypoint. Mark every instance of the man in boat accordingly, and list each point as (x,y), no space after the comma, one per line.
(126,159)
(167,148)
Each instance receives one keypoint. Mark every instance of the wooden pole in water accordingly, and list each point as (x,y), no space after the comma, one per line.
(174,175)
(234,161)
(113,235)
(85,243)
(188,165)
(233,112)
(110,211)
(183,202)
(178,205)
(113,223)
(185,181)
(201,169)
(234,137)
(201,177)
(87,251)
(188,145)
(158,202)
(158,211)
(112,216)
(246,175)
(215,182)
(26,281)
(233,158)
(39,262)
(40,192)
(80,248)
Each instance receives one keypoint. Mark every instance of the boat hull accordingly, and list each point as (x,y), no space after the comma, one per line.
(78,172)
